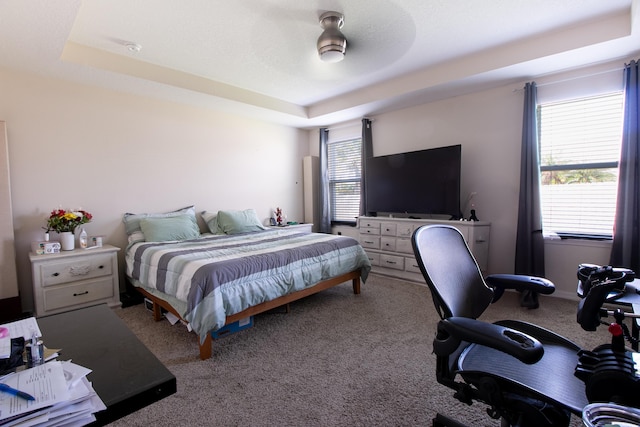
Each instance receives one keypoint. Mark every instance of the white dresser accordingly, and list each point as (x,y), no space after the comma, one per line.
(74,279)
(387,242)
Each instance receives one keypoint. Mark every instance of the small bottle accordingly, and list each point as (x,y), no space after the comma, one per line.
(34,350)
(83,239)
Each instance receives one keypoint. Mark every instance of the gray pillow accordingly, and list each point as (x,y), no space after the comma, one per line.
(211,219)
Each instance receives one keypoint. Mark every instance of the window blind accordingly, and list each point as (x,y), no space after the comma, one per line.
(579,152)
(344,167)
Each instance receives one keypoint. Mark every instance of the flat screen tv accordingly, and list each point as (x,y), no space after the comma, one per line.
(425,182)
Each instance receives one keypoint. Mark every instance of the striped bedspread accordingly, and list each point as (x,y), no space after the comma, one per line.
(214,276)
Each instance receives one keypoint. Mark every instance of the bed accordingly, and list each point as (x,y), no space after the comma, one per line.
(238,269)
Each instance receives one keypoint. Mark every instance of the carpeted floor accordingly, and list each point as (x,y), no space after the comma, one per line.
(336,359)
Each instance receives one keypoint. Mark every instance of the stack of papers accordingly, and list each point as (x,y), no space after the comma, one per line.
(63,396)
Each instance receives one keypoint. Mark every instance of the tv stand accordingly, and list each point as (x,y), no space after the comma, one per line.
(387,242)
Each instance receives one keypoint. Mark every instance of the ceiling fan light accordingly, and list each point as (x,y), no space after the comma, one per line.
(332,44)
(331,56)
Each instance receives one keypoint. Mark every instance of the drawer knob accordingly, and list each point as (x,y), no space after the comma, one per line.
(55,274)
(101,267)
(80,293)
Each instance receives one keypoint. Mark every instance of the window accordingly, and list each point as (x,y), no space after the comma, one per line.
(344,166)
(579,152)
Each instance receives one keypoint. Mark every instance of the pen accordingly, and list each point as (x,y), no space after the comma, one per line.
(15,392)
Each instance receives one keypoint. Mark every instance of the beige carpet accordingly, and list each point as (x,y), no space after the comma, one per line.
(336,359)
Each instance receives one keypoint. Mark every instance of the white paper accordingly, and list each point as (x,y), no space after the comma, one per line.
(44,382)
(74,373)
(77,408)
(23,328)
(5,347)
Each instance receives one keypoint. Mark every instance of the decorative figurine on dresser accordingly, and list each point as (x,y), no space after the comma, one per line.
(66,276)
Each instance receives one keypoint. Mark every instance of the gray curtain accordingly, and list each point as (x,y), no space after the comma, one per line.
(367,152)
(529,257)
(323,193)
(625,250)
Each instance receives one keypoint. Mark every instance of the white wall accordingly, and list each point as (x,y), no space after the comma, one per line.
(488,125)
(75,146)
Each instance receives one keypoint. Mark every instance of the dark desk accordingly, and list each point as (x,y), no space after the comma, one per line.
(126,375)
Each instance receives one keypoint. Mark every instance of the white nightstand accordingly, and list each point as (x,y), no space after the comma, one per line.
(74,279)
(300,227)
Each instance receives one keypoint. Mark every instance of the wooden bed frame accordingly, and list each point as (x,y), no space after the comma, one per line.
(205,348)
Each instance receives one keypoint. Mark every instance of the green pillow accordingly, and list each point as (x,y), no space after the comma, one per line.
(211,219)
(132,221)
(234,222)
(169,228)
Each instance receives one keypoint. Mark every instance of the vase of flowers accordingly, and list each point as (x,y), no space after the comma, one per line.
(64,223)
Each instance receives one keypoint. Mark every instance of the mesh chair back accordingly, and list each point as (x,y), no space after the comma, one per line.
(451,272)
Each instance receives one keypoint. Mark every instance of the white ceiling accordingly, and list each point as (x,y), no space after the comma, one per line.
(258,57)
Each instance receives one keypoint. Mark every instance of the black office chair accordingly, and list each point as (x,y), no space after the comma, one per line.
(524,373)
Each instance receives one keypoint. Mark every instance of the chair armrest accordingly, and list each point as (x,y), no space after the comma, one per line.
(518,282)
(515,343)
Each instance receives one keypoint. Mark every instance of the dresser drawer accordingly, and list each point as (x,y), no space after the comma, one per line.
(78,293)
(76,269)
(405,230)
(388,244)
(371,242)
(373,225)
(411,265)
(388,229)
(370,230)
(392,261)
(374,258)
(404,246)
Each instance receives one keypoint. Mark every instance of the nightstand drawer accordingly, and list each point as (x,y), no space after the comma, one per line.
(77,269)
(80,293)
